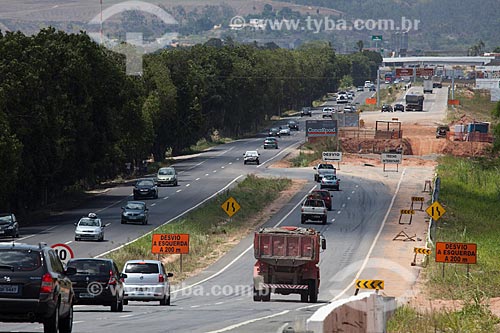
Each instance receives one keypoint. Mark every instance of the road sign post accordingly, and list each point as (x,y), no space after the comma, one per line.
(64,252)
(170,244)
(230,206)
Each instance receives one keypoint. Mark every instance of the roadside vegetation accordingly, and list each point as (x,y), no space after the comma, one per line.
(311,151)
(472,103)
(470,193)
(212,232)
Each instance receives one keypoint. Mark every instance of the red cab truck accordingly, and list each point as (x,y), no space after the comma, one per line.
(287,262)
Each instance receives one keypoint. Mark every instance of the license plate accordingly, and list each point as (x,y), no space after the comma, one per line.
(85,295)
(9,289)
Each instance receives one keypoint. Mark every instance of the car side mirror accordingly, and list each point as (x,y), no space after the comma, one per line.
(123,276)
(170,275)
(146,209)
(70,271)
(314,168)
(75,224)
(323,243)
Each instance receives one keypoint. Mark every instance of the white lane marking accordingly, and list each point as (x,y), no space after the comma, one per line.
(343,205)
(232,327)
(206,174)
(194,166)
(222,167)
(187,185)
(223,269)
(215,171)
(126,316)
(333,220)
(353,191)
(48,229)
(195,306)
(357,185)
(219,303)
(165,198)
(176,217)
(68,242)
(197,178)
(226,151)
(339,212)
(230,163)
(348,198)
(278,154)
(153,204)
(78,322)
(178,191)
(365,262)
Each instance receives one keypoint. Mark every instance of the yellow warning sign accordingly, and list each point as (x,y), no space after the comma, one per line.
(370,284)
(230,206)
(435,211)
(422,250)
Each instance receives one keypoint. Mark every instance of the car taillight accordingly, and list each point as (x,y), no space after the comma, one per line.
(112,279)
(161,278)
(47,283)
(302,209)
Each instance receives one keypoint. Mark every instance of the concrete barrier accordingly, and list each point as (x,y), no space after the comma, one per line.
(366,312)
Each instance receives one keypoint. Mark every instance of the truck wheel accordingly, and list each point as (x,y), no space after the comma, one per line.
(304,297)
(256,296)
(313,291)
(266,295)
(303,220)
(324,220)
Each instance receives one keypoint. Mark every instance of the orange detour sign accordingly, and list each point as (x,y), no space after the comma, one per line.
(456,253)
(170,244)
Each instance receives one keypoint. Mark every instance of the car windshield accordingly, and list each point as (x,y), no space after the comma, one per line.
(134,205)
(251,153)
(291,122)
(145,183)
(90,267)
(166,172)
(325,166)
(314,203)
(329,177)
(20,260)
(5,219)
(273,129)
(142,267)
(88,222)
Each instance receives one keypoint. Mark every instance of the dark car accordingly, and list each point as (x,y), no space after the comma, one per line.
(145,188)
(293,125)
(135,211)
(35,287)
(271,142)
(399,107)
(387,108)
(324,195)
(441,131)
(98,282)
(274,132)
(306,111)
(373,88)
(8,225)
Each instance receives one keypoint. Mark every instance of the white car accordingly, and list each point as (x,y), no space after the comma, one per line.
(327,112)
(89,228)
(251,156)
(342,97)
(146,281)
(285,130)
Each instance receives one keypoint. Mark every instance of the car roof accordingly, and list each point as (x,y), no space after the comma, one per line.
(166,168)
(147,261)
(22,246)
(136,202)
(91,259)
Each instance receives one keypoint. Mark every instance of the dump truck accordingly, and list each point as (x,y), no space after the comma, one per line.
(287,263)
(414,102)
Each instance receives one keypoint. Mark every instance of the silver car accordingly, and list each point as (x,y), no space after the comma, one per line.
(167,176)
(89,227)
(146,281)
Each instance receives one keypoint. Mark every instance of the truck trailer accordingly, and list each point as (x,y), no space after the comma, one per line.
(287,263)
(428,86)
(414,102)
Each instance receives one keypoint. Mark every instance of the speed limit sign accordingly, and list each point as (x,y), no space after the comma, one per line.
(64,252)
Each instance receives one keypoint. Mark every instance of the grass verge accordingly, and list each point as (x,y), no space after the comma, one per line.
(473,103)
(212,233)
(313,151)
(470,193)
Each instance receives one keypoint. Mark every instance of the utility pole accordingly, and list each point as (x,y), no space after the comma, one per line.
(102,33)
(378,87)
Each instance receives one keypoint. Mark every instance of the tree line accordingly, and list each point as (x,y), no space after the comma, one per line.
(70,117)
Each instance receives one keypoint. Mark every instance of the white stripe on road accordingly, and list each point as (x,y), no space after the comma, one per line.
(174,218)
(197,178)
(232,327)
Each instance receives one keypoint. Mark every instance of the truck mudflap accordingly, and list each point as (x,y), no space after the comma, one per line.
(285,286)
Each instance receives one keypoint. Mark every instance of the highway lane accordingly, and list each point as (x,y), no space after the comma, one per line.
(221,308)
(225,301)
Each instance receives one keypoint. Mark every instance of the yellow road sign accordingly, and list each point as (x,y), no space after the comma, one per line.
(407,211)
(370,284)
(230,206)
(420,199)
(422,250)
(435,211)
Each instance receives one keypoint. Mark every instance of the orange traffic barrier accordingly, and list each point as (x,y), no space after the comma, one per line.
(453,102)
(371,101)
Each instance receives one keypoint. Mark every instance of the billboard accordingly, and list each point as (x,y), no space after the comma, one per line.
(401,72)
(320,128)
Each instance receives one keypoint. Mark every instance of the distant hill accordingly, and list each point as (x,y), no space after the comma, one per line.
(444,24)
